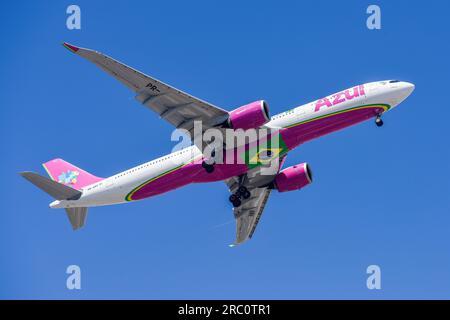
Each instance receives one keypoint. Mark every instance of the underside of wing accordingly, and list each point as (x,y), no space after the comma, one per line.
(175,106)
(258,183)
(248,214)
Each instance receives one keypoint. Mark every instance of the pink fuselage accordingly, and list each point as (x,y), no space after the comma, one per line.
(293,137)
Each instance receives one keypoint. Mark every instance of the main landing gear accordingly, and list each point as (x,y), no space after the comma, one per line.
(378,121)
(208,167)
(209,164)
(236,197)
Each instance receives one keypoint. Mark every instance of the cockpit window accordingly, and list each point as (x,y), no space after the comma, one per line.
(394,81)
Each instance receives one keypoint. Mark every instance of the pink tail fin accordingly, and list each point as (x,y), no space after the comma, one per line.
(68,174)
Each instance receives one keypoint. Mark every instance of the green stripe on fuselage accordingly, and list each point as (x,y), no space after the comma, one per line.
(386,107)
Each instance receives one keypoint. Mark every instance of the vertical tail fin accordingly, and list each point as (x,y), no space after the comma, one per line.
(68,174)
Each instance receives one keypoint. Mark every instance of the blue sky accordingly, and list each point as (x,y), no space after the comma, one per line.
(380,195)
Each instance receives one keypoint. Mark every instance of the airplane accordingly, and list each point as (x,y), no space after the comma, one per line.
(76,190)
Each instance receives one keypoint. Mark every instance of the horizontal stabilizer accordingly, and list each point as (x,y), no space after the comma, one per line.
(53,188)
(77,216)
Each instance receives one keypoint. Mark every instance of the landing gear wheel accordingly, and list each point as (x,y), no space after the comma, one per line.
(237,203)
(233,198)
(378,121)
(208,167)
(246,194)
(242,190)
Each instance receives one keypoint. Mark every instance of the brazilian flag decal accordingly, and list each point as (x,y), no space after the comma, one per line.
(264,152)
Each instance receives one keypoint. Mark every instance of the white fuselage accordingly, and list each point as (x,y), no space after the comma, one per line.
(114,189)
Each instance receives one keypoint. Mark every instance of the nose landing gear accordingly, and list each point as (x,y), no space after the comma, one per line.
(378,121)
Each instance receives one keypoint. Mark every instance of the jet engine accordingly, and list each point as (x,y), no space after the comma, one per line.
(293,178)
(252,115)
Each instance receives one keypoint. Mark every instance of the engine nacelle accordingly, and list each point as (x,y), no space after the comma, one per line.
(293,178)
(252,115)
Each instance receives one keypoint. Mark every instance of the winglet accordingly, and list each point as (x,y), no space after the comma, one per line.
(70,47)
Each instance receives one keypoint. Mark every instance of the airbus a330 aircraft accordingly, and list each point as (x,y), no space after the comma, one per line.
(75,189)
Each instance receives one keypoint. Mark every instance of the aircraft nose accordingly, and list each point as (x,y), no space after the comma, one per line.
(402,90)
(407,89)
(398,91)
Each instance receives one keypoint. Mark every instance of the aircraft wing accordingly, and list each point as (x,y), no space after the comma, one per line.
(175,106)
(249,213)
